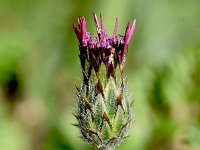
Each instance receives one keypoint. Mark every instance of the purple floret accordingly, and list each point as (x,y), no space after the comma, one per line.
(103,45)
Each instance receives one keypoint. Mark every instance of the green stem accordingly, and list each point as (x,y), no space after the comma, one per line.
(105,148)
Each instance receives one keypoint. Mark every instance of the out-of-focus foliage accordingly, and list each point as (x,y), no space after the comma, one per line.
(39,68)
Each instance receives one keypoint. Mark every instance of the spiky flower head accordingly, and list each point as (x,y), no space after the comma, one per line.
(104,110)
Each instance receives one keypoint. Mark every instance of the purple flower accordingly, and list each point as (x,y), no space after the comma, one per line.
(110,49)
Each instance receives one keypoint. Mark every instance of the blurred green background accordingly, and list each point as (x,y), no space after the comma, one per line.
(39,68)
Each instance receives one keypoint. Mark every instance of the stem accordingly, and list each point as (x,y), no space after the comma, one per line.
(105,148)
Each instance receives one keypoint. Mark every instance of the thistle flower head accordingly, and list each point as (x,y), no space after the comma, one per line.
(104,112)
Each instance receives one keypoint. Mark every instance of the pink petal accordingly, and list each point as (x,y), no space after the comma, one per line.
(79,22)
(131,32)
(115,29)
(97,24)
(76,31)
(83,29)
(126,36)
(102,23)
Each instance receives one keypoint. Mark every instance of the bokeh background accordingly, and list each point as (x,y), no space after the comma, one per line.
(39,68)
